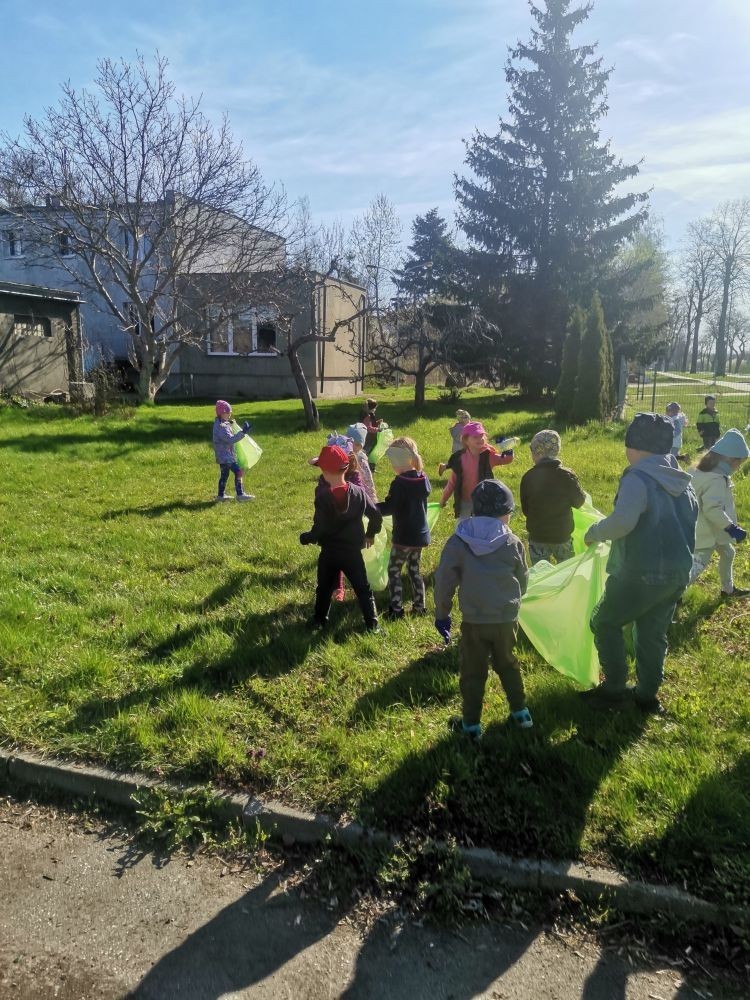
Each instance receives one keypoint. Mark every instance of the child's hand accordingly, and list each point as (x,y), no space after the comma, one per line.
(247,427)
(508,454)
(736,532)
(443,625)
(369,542)
(306,538)
(588,538)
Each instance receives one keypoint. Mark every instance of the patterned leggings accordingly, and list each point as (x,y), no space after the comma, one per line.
(411,557)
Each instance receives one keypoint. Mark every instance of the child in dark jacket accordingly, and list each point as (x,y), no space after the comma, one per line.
(338,529)
(652,530)
(407,502)
(487,563)
(549,492)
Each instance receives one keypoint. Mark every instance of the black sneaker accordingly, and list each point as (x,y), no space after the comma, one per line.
(373,627)
(316,625)
(601,700)
(393,614)
(649,706)
(736,594)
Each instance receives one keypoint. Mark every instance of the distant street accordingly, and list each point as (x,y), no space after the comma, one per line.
(85,917)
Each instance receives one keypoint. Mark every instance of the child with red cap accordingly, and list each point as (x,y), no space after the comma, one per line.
(470,466)
(224,439)
(338,529)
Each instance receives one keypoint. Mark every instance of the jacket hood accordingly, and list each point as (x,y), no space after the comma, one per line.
(483,534)
(665,471)
(414,479)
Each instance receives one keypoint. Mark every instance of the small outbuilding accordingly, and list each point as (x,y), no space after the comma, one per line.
(41,347)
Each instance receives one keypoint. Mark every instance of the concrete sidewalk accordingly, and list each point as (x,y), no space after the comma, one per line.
(85,916)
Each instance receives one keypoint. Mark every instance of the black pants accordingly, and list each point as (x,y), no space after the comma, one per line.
(348,561)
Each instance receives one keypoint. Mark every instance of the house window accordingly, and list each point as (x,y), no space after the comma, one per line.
(31,326)
(64,244)
(13,244)
(266,339)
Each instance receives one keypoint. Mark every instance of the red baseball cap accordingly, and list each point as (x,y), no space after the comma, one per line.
(332,458)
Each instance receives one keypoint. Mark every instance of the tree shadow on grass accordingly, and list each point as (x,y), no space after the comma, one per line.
(517,791)
(160,509)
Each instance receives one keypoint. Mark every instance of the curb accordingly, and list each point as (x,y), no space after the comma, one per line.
(295,826)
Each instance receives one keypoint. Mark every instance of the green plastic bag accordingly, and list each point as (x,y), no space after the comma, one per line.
(556,609)
(384,439)
(583,518)
(377,556)
(247,451)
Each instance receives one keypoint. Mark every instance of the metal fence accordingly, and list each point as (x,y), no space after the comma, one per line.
(653,389)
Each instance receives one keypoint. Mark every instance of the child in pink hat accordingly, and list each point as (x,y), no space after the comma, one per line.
(224,439)
(470,466)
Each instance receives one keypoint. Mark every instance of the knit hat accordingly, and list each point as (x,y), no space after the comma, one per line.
(332,459)
(546,444)
(473,429)
(357,432)
(222,406)
(650,432)
(731,444)
(463,415)
(341,440)
(491,498)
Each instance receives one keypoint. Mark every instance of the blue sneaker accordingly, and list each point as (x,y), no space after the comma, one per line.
(522,718)
(456,725)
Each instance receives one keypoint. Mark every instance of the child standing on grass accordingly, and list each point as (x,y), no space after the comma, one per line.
(679,422)
(486,563)
(652,530)
(224,440)
(707,424)
(357,434)
(338,530)
(463,417)
(470,466)
(717,519)
(549,492)
(407,503)
(372,424)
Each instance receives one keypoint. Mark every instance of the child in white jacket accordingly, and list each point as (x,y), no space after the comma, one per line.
(717,524)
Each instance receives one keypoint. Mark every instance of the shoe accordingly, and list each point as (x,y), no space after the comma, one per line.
(221,497)
(649,706)
(245,496)
(522,718)
(373,628)
(441,468)
(393,614)
(338,595)
(473,733)
(738,592)
(419,612)
(601,700)
(316,625)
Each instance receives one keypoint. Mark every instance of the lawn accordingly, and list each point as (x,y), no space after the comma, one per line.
(143,626)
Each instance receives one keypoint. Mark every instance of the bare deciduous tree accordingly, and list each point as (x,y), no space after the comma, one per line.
(729,240)
(148,206)
(699,269)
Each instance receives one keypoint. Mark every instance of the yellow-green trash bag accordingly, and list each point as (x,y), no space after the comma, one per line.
(557,606)
(377,556)
(246,450)
(378,449)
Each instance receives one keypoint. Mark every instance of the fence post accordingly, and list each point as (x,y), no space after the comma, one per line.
(622,388)
(653,393)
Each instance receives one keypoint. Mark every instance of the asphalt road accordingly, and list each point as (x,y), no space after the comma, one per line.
(86,916)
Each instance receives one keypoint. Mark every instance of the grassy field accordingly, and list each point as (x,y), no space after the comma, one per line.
(732,398)
(144,626)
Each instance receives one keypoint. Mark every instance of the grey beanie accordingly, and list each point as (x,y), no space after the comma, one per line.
(650,432)
(491,498)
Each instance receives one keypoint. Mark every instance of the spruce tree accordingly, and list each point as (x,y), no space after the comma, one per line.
(593,393)
(545,202)
(430,261)
(566,388)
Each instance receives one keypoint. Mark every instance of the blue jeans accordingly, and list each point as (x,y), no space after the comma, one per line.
(224,469)
(650,608)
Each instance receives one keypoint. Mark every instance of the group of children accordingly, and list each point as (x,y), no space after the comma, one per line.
(665,527)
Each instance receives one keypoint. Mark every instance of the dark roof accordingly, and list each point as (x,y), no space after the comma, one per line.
(39,292)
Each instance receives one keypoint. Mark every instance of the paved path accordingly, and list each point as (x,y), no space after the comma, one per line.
(83,916)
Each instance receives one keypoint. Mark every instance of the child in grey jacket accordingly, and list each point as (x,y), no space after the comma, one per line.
(486,563)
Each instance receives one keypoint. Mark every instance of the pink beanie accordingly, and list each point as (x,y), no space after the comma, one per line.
(222,406)
(473,429)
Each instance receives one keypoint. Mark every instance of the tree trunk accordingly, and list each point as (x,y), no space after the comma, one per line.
(720,362)
(688,328)
(420,379)
(696,334)
(312,418)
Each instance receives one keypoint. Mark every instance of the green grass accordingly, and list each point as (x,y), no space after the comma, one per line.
(144,626)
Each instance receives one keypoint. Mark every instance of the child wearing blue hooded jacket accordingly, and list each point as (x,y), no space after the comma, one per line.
(652,530)
(486,562)
(224,440)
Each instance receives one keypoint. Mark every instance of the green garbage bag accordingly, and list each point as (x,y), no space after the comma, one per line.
(377,556)
(378,450)
(583,518)
(247,451)
(556,609)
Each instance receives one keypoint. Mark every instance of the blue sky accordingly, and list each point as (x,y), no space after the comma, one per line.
(340,101)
